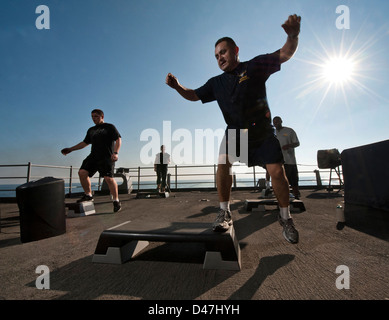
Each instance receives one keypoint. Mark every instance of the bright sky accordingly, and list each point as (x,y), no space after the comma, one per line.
(115,55)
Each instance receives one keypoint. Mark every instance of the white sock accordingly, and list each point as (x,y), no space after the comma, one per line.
(285,213)
(225,205)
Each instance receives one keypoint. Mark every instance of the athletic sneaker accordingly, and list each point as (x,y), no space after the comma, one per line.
(85,198)
(223,221)
(117,206)
(290,233)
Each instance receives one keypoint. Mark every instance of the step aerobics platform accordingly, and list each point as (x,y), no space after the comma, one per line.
(80,209)
(144,195)
(295,205)
(121,243)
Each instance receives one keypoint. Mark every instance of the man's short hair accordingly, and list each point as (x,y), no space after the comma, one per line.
(99,112)
(229,41)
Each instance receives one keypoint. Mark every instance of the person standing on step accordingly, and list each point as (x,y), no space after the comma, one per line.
(106,142)
(162,160)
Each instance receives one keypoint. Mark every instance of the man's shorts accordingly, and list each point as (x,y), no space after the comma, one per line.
(104,166)
(267,151)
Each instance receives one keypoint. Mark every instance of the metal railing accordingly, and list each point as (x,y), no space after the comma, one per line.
(248,178)
(178,178)
(29,177)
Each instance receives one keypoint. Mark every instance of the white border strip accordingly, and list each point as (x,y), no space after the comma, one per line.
(119,225)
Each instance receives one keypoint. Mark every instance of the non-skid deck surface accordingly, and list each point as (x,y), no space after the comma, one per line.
(271,268)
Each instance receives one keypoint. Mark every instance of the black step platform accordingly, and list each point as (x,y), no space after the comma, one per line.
(145,195)
(80,209)
(295,205)
(119,244)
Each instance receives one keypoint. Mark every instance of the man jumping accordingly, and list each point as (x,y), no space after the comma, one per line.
(241,94)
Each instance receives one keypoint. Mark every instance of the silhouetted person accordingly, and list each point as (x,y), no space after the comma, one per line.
(161,162)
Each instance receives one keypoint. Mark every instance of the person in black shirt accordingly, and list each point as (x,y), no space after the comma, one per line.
(106,142)
(241,94)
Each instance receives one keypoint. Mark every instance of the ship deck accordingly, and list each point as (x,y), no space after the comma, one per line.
(272,268)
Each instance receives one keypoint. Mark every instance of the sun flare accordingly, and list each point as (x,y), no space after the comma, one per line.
(338,70)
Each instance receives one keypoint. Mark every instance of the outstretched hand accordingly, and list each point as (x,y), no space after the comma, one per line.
(66,151)
(171,81)
(188,94)
(292,25)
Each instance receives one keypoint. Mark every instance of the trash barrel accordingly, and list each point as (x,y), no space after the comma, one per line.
(42,209)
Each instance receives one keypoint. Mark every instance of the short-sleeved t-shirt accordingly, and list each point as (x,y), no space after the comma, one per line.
(288,136)
(241,95)
(102,138)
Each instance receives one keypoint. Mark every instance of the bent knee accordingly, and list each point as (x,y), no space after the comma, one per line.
(109,179)
(83,173)
(276,171)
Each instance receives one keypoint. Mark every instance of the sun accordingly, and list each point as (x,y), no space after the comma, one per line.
(339,66)
(338,70)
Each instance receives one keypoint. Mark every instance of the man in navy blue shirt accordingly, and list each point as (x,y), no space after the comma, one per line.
(241,94)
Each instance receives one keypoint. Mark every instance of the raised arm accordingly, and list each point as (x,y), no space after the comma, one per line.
(292,29)
(188,94)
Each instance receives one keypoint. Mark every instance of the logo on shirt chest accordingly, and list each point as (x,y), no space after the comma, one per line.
(98,132)
(243,76)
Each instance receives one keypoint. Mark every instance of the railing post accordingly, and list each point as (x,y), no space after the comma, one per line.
(214,175)
(175,169)
(70,180)
(255,180)
(138,178)
(28,172)
(318,179)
